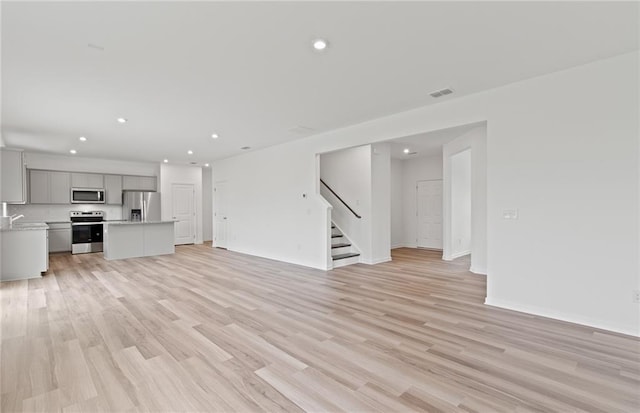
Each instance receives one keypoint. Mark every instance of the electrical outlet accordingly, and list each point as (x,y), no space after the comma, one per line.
(636,296)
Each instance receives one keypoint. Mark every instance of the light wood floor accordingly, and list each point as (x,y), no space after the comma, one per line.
(211,330)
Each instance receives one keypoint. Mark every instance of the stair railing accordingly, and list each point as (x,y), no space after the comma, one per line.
(340,199)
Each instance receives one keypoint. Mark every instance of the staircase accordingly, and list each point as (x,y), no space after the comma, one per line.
(342,252)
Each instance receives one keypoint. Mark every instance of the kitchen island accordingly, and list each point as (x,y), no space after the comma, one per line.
(25,251)
(130,239)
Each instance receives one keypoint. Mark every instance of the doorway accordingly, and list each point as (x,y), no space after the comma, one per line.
(220,215)
(460,212)
(183,211)
(429,212)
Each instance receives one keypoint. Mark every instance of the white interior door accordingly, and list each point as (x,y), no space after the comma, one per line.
(220,215)
(183,211)
(429,214)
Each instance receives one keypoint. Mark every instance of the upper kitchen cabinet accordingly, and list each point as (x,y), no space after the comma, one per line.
(113,189)
(139,183)
(59,188)
(48,187)
(14,177)
(87,181)
(39,187)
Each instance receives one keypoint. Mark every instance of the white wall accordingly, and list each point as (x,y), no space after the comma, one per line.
(461,204)
(561,148)
(397,228)
(267,214)
(207,205)
(413,170)
(177,174)
(348,173)
(380,203)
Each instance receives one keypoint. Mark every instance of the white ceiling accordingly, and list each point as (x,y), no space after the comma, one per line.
(181,71)
(427,144)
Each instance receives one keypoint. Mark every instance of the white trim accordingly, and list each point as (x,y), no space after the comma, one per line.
(276,258)
(482,271)
(430,249)
(456,255)
(377,261)
(570,318)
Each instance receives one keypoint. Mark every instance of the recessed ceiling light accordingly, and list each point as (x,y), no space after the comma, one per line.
(189,152)
(406,150)
(214,136)
(320,44)
(82,139)
(73,152)
(166,161)
(206,164)
(122,120)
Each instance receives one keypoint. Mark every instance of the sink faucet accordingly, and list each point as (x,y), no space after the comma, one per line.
(15,218)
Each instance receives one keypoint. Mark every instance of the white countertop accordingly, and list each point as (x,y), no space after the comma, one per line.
(27,226)
(137,222)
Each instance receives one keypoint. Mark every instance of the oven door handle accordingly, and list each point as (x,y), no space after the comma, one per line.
(75,224)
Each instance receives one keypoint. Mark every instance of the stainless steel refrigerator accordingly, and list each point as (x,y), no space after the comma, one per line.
(141,206)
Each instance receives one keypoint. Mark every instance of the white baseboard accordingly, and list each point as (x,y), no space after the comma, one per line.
(430,249)
(460,254)
(377,261)
(323,267)
(456,255)
(478,270)
(571,318)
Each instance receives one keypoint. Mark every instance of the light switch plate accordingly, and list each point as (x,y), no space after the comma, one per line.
(510,214)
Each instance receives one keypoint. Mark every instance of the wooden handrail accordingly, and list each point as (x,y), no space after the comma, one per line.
(340,199)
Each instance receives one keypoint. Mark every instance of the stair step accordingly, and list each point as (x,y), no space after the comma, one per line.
(336,235)
(343,256)
(333,226)
(340,245)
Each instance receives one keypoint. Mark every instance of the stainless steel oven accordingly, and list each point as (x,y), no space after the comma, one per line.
(86,231)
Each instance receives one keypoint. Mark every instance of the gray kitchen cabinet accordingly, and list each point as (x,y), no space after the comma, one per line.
(38,187)
(79,180)
(113,189)
(139,183)
(48,187)
(14,177)
(59,236)
(59,188)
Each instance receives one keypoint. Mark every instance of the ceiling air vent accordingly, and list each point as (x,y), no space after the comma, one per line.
(441,92)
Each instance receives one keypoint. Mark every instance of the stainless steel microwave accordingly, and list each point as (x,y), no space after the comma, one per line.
(87,196)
